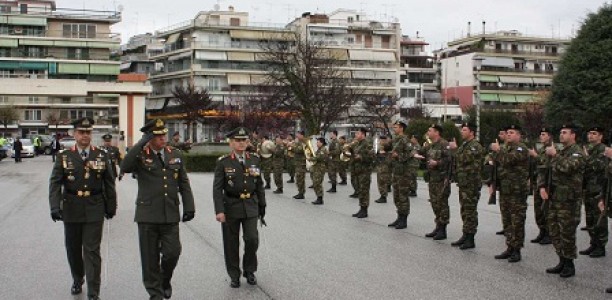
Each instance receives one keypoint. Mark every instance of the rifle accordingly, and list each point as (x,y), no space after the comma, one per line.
(546,203)
(493,185)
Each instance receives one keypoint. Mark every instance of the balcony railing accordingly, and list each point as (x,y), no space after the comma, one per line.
(515,70)
(218,23)
(521,52)
(69,13)
(112,36)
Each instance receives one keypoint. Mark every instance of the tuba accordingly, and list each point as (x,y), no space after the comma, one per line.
(347,151)
(267,149)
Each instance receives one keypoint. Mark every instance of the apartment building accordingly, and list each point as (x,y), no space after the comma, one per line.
(509,67)
(222,52)
(55,66)
(419,84)
(135,55)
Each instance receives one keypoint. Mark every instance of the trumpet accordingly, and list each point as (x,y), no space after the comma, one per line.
(310,154)
(290,152)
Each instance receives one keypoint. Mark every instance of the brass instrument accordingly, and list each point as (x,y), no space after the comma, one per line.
(267,149)
(376,145)
(290,152)
(347,151)
(310,154)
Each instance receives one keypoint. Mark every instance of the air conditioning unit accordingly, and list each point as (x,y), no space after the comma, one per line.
(18,29)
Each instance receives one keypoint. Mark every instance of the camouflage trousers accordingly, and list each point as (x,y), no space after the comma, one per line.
(563,219)
(290,165)
(401,190)
(332,171)
(342,166)
(354,182)
(514,212)
(278,173)
(300,178)
(468,200)
(438,197)
(597,232)
(413,183)
(363,179)
(266,169)
(317,174)
(540,215)
(383,180)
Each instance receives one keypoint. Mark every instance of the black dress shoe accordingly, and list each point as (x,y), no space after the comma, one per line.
(298,196)
(77,287)
(93,298)
(235,283)
(250,277)
(278,191)
(167,287)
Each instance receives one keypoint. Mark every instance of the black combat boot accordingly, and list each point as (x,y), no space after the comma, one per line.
(558,268)
(278,191)
(333,188)
(394,223)
(382,199)
(319,201)
(291,180)
(599,251)
(362,213)
(469,242)
(267,187)
(343,182)
(589,250)
(609,290)
(546,238)
(403,222)
(501,232)
(434,232)
(515,256)
(77,287)
(505,255)
(460,241)
(441,234)
(539,237)
(354,195)
(412,193)
(568,269)
(298,196)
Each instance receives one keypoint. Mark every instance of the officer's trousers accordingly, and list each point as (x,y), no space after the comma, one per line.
(231,245)
(156,240)
(83,250)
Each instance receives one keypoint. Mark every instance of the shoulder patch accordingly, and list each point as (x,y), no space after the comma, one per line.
(519,148)
(222,157)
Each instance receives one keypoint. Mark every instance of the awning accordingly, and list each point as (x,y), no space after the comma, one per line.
(246,34)
(489,97)
(517,80)
(108,95)
(154,104)
(262,56)
(507,98)
(259,79)
(241,56)
(371,55)
(338,54)
(173,38)
(100,69)
(180,56)
(500,62)
(27,20)
(319,28)
(29,42)
(542,81)
(210,55)
(66,68)
(364,75)
(488,78)
(125,66)
(277,36)
(10,43)
(524,98)
(238,79)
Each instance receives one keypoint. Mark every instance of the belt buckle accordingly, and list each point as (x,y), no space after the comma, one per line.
(80,193)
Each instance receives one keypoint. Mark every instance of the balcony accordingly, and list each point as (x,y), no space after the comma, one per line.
(69,13)
(40,32)
(516,70)
(521,53)
(211,23)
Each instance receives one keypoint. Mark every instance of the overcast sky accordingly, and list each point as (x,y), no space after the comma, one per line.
(438,21)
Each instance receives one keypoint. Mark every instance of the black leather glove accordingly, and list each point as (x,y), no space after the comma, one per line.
(146,138)
(56,215)
(188,216)
(109,216)
(262,211)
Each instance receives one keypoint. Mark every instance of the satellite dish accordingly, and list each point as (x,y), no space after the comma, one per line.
(120,7)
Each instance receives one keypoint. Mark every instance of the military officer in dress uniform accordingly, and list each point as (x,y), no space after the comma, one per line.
(82,193)
(113,153)
(239,199)
(161,178)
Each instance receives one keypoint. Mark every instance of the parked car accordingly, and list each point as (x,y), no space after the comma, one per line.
(45,144)
(28,148)
(67,142)
(5,151)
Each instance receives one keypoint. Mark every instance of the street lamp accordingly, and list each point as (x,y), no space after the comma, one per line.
(478,65)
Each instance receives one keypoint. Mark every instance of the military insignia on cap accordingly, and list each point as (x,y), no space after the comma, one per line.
(85,122)
(159,123)
(242,132)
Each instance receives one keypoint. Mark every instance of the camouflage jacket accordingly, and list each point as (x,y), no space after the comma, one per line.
(468,158)
(334,149)
(363,157)
(567,173)
(299,156)
(278,155)
(320,159)
(595,168)
(405,155)
(543,167)
(437,151)
(513,168)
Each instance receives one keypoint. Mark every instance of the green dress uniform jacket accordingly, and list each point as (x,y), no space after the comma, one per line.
(83,189)
(114,156)
(238,190)
(159,185)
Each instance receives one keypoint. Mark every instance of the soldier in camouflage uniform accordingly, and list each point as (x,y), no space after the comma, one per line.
(513,160)
(342,166)
(363,157)
(567,168)
(113,153)
(402,154)
(415,165)
(319,167)
(606,193)
(383,168)
(278,164)
(299,160)
(492,170)
(289,154)
(266,165)
(333,164)
(438,158)
(594,177)
(542,167)
(468,158)
(351,166)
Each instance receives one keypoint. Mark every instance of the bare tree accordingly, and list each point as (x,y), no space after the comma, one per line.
(379,110)
(532,114)
(192,105)
(304,77)
(256,112)
(8,114)
(53,119)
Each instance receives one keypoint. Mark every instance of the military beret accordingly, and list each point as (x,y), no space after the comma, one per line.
(546,130)
(514,127)
(107,137)
(322,140)
(437,127)
(84,124)
(155,126)
(364,130)
(238,133)
(571,126)
(383,137)
(469,125)
(598,129)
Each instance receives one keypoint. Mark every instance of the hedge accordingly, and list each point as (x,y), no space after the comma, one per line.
(201,162)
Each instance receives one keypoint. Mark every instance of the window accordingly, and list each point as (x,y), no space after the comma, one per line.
(33,115)
(412,93)
(5,8)
(350,19)
(214,84)
(24,8)
(350,40)
(6,73)
(78,53)
(4,99)
(79,31)
(404,93)
(33,100)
